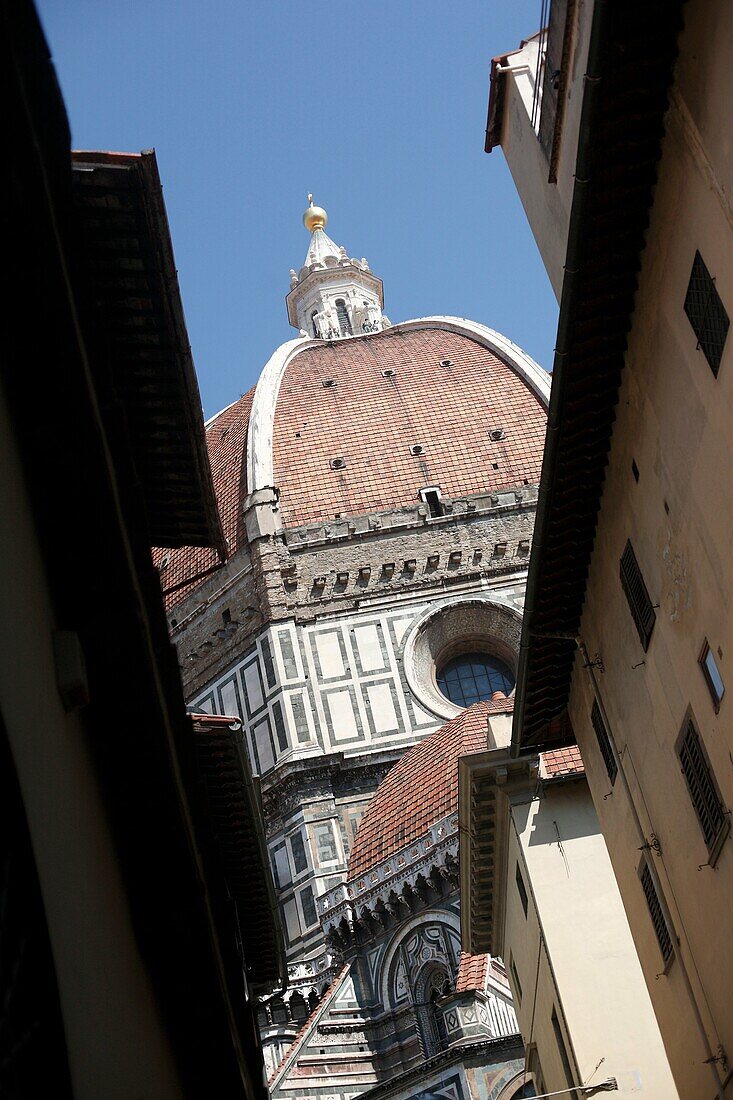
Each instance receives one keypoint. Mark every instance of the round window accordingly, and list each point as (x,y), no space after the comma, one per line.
(471,677)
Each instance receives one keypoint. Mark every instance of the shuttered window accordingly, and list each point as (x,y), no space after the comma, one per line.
(636,593)
(656,912)
(604,741)
(701,785)
(706,313)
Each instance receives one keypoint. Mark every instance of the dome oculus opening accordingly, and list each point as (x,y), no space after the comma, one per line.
(471,677)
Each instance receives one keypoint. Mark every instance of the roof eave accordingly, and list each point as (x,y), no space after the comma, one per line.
(177,483)
(485,781)
(611,202)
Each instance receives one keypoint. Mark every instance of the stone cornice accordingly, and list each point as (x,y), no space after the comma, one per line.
(406,876)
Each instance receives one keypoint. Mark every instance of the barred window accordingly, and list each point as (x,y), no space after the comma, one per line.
(706,313)
(604,741)
(654,904)
(702,786)
(640,604)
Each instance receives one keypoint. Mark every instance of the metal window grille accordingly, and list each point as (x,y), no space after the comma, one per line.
(706,313)
(522,890)
(640,604)
(656,913)
(701,785)
(604,741)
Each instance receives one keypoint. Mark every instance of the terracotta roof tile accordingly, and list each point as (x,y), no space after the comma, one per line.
(472,972)
(226,439)
(371,422)
(566,761)
(422,788)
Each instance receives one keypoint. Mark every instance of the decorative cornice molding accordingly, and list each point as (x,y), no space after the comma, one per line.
(435,852)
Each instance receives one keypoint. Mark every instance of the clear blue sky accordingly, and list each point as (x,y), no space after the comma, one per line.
(378,108)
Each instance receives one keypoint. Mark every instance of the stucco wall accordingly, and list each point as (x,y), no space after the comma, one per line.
(674,421)
(116,1044)
(547,206)
(574,948)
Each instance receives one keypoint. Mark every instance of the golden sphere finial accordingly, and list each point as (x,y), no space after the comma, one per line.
(315,217)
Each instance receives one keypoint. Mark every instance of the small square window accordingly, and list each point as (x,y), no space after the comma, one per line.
(711,672)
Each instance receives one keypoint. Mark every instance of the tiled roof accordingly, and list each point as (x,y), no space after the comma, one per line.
(567,761)
(472,970)
(226,439)
(372,422)
(422,788)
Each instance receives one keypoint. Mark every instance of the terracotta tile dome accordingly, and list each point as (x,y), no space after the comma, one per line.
(339,401)
(397,416)
(422,788)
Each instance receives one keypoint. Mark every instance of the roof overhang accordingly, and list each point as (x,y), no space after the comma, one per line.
(485,783)
(630,66)
(237,827)
(137,323)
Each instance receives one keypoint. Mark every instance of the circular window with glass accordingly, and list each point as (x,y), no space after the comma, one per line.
(471,677)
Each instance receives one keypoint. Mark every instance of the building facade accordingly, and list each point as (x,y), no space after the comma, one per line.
(409,1014)
(377,490)
(538,890)
(629,633)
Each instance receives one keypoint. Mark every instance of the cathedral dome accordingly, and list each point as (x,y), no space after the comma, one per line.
(362,424)
(358,417)
(421,789)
